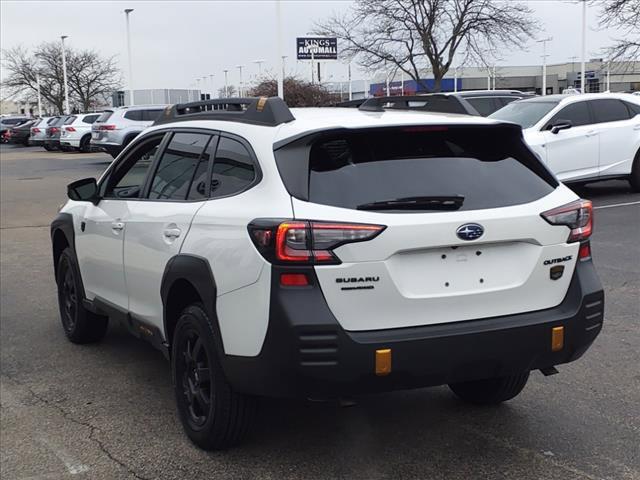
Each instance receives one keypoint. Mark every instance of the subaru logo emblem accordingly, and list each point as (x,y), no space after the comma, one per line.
(469,231)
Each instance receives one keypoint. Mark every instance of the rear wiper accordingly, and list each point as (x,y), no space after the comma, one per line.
(453,202)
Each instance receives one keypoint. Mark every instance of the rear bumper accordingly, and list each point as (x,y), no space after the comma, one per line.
(36,142)
(52,142)
(307,353)
(70,142)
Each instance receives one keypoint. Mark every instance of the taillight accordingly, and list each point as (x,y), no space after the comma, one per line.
(53,130)
(585,251)
(107,127)
(307,242)
(578,216)
(35,130)
(70,129)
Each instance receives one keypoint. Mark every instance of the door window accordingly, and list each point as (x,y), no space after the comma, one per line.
(485,106)
(128,177)
(609,110)
(179,162)
(135,115)
(233,168)
(577,113)
(151,115)
(90,118)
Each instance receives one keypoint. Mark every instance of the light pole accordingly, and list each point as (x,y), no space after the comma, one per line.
(609,76)
(455,79)
(544,63)
(279,49)
(241,85)
(211,75)
(350,85)
(64,76)
(584,46)
(39,96)
(127,11)
(259,63)
(226,88)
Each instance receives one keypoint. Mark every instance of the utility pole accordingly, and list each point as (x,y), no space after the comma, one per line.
(64,77)
(127,11)
(544,63)
(584,47)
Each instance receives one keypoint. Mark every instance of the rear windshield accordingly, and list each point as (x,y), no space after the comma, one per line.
(452,168)
(104,116)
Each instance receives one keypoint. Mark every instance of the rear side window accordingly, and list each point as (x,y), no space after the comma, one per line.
(177,166)
(478,168)
(104,116)
(485,106)
(150,115)
(233,168)
(633,108)
(89,119)
(609,110)
(135,115)
(70,120)
(577,113)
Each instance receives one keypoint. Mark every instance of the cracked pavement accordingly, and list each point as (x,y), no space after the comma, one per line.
(106,411)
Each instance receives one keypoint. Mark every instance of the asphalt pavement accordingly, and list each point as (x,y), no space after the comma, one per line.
(106,411)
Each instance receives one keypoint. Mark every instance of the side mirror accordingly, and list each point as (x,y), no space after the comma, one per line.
(85,190)
(560,125)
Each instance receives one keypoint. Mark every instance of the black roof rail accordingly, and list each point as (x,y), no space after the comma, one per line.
(268,111)
(399,102)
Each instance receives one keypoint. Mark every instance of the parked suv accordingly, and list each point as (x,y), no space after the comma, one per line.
(476,102)
(39,130)
(75,134)
(328,252)
(115,128)
(582,138)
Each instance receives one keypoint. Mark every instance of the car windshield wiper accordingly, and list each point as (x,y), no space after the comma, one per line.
(452,202)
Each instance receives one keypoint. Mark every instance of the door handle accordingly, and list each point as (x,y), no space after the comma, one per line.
(117,226)
(591,133)
(172,232)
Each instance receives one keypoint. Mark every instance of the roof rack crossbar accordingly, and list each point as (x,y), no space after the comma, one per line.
(268,111)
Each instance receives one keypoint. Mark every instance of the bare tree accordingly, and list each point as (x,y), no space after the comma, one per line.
(297,93)
(623,15)
(230,92)
(409,35)
(90,77)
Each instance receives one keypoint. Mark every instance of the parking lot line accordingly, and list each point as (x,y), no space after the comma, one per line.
(617,205)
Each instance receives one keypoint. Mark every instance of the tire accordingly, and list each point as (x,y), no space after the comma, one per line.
(48,148)
(79,324)
(634,179)
(491,391)
(213,415)
(85,145)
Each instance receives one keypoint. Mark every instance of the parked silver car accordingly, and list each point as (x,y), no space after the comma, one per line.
(76,132)
(115,128)
(39,131)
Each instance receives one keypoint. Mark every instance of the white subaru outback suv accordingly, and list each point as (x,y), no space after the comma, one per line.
(329,252)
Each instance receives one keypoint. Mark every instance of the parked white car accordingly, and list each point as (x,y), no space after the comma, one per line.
(582,138)
(76,132)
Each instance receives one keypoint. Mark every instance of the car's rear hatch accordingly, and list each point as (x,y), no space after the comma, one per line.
(463,239)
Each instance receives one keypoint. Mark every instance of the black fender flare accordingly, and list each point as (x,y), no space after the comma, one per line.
(197,271)
(63,223)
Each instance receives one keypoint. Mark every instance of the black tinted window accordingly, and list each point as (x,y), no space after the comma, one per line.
(633,108)
(177,166)
(128,177)
(577,113)
(609,110)
(104,116)
(485,106)
(486,167)
(135,115)
(150,115)
(233,168)
(70,120)
(90,118)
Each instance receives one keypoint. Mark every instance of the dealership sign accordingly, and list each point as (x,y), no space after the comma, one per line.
(323,48)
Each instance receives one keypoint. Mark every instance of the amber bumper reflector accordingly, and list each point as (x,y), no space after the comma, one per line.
(557,339)
(383,362)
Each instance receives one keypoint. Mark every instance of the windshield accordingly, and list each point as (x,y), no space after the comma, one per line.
(525,114)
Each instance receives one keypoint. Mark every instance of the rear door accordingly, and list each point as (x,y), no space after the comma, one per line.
(618,132)
(158,223)
(573,154)
(429,265)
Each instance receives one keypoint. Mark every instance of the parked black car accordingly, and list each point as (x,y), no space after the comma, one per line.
(20,134)
(7,123)
(477,102)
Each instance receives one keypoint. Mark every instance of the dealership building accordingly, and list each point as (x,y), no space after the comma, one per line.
(622,77)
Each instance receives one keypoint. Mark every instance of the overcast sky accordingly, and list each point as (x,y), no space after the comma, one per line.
(173,42)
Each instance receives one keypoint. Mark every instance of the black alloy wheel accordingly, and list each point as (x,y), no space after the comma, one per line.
(194,374)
